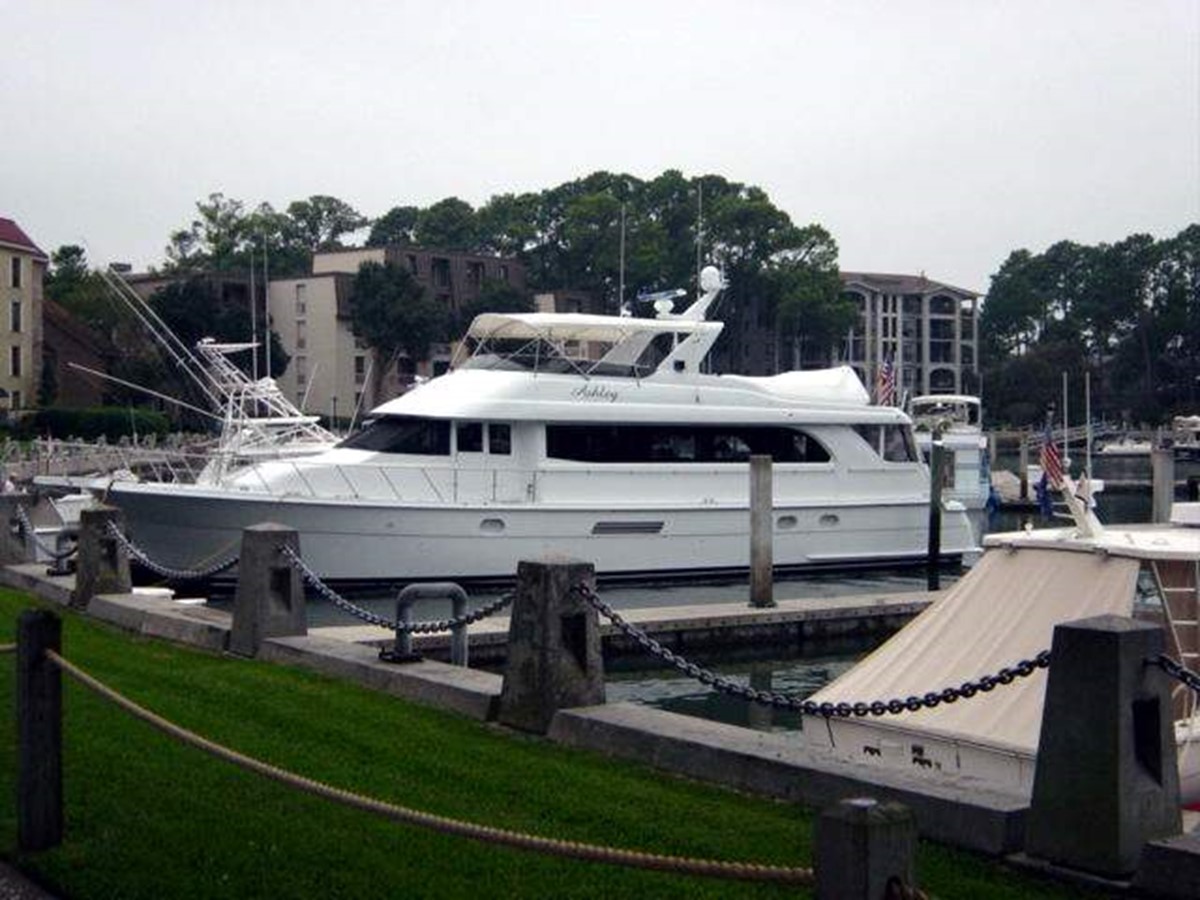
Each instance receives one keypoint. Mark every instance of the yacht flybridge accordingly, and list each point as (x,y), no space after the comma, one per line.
(594,436)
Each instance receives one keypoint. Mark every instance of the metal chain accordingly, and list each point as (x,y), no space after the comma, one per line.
(27,529)
(778,700)
(427,627)
(164,571)
(1177,671)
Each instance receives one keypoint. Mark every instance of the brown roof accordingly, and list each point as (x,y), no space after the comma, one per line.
(901,284)
(11,235)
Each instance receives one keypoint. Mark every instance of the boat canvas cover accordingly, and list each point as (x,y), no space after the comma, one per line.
(1004,610)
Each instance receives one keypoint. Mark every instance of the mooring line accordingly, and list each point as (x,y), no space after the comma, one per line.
(552,846)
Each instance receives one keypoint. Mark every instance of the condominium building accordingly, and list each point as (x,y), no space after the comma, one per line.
(929,331)
(23,269)
(331,372)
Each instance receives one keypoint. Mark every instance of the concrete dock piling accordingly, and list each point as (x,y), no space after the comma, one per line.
(270,595)
(762,533)
(15,545)
(103,562)
(554,659)
(1107,778)
(862,846)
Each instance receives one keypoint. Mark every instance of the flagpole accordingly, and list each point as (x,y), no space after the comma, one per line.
(1066,429)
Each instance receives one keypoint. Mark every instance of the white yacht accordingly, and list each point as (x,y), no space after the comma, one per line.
(594,436)
(957,419)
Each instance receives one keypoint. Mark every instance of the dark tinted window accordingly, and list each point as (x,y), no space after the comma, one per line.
(681,443)
(499,439)
(403,434)
(470,437)
(894,443)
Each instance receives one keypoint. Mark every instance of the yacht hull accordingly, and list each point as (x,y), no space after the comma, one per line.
(191,528)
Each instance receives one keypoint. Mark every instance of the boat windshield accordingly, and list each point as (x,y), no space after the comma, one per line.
(566,356)
(958,411)
(403,434)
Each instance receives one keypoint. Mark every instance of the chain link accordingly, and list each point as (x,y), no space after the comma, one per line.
(1177,671)
(164,571)
(428,627)
(27,530)
(779,700)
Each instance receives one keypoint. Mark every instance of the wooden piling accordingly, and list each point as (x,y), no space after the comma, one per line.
(39,732)
(762,563)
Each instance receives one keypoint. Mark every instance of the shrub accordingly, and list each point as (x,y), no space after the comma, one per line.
(89,424)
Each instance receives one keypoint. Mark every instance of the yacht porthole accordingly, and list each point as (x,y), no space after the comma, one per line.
(491,526)
(786,522)
(829,520)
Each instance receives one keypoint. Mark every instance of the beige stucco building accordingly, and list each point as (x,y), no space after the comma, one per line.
(331,372)
(23,270)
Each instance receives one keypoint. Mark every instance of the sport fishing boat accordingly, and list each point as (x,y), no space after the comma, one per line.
(1004,610)
(594,436)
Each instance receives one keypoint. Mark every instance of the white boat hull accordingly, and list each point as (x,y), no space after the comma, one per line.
(193,528)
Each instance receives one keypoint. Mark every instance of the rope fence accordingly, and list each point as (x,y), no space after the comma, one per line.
(744,871)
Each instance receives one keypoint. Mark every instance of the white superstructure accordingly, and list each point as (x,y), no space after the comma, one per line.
(956,420)
(594,436)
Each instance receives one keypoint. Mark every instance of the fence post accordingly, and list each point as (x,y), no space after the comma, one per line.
(937,463)
(1106,779)
(1162,464)
(15,545)
(861,846)
(39,732)
(103,566)
(762,536)
(554,657)
(269,601)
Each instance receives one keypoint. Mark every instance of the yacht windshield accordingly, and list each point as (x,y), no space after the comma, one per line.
(403,434)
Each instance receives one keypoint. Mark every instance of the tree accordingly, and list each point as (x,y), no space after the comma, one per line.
(392,313)
(494,296)
(396,226)
(448,225)
(807,293)
(321,221)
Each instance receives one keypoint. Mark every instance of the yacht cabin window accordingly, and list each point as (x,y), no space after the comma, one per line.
(403,434)
(469,436)
(895,443)
(499,439)
(681,443)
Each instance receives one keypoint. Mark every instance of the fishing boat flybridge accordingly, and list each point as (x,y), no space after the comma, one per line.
(589,435)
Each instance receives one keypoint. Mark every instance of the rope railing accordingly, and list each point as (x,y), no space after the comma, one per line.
(828,710)
(167,572)
(745,871)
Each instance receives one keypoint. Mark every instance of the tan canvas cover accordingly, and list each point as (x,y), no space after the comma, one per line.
(1004,610)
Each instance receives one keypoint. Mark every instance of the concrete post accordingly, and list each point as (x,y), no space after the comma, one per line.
(270,595)
(861,845)
(15,545)
(39,732)
(103,563)
(554,659)
(1106,779)
(1162,463)
(762,536)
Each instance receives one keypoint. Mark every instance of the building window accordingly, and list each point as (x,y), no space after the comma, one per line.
(441,272)
(301,336)
(301,370)
(16,272)
(475,275)
(301,300)
(14,315)
(360,369)
(504,273)
(14,362)
(412,263)
(16,400)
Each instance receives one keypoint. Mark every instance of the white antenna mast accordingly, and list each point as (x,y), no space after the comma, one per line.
(699,229)
(621,281)
(253,316)
(266,305)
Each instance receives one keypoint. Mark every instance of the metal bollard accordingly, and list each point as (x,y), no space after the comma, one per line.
(434,590)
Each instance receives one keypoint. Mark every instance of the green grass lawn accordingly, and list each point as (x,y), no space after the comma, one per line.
(150,818)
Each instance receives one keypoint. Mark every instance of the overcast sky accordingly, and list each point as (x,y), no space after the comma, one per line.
(925,135)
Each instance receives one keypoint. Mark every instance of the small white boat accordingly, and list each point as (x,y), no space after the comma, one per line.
(1125,446)
(595,436)
(1003,611)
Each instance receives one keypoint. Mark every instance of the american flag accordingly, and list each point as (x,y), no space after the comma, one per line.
(885,384)
(1051,460)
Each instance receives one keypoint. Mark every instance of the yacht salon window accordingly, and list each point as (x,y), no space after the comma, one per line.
(403,434)
(894,443)
(499,439)
(469,436)
(681,443)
